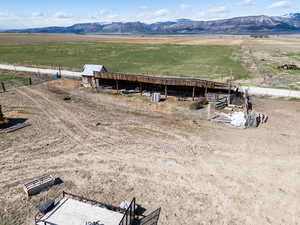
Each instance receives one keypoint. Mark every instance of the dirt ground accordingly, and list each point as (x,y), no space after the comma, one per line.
(150,39)
(113,148)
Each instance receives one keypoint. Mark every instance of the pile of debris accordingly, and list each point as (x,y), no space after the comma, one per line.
(287,67)
(241,119)
(242,115)
(8,125)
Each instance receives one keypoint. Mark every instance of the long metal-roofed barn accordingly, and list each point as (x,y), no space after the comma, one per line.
(191,86)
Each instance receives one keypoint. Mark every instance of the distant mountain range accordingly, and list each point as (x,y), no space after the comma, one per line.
(287,24)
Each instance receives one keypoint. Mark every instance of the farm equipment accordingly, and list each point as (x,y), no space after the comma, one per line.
(3,120)
(287,67)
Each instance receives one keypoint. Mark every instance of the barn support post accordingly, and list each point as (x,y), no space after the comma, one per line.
(94,83)
(29,81)
(141,89)
(117,86)
(194,89)
(166,91)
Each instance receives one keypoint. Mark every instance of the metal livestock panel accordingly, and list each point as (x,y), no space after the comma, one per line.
(38,185)
(129,215)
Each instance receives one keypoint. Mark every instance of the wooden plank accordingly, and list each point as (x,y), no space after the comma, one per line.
(152,218)
(16,127)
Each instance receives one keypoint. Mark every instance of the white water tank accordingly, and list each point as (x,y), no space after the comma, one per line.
(155,97)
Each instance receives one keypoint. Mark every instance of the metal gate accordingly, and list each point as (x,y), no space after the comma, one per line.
(129,215)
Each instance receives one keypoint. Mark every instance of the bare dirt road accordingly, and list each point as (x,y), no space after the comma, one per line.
(112,148)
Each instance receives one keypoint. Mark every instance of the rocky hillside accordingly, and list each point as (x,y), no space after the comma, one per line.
(240,25)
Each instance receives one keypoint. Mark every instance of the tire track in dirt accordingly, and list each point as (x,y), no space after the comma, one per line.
(66,115)
(75,121)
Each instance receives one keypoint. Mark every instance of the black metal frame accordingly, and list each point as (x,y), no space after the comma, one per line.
(38,216)
(129,215)
(93,202)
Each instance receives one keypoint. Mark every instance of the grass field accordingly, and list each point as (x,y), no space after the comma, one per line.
(159,59)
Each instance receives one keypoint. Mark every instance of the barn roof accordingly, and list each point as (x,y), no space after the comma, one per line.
(88,69)
(172,81)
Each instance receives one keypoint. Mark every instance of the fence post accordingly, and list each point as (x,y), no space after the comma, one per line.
(166,91)
(59,69)
(194,89)
(229,90)
(3,86)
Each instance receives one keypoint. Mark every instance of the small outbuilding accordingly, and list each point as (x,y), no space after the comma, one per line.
(88,79)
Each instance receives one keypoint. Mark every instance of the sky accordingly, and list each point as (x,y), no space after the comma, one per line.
(39,13)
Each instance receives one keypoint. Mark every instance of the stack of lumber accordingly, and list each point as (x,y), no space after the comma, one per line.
(222,118)
(15,127)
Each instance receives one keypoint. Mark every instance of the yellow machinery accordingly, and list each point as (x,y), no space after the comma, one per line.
(3,120)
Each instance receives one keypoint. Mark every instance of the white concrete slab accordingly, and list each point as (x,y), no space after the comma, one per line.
(73,212)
